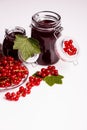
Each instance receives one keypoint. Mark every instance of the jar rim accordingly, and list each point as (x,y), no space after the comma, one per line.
(46,15)
(17,28)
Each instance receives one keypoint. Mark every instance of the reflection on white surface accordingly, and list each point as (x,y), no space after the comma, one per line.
(62,107)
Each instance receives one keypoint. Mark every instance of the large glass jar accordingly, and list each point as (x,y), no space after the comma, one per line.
(46,28)
(9,41)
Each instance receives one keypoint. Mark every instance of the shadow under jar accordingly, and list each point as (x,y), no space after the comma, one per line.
(9,41)
(46,28)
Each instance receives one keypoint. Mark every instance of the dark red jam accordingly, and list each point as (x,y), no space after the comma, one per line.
(47,40)
(9,42)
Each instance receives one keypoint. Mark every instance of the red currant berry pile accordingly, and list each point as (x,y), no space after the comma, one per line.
(69,48)
(32,81)
(50,70)
(11,72)
(23,91)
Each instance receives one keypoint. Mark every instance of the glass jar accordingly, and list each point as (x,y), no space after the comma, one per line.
(46,28)
(64,55)
(9,41)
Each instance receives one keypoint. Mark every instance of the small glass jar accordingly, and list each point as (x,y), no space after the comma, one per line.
(64,55)
(9,41)
(46,28)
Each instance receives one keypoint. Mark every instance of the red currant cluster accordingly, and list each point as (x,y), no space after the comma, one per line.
(33,81)
(69,48)
(23,91)
(50,70)
(11,72)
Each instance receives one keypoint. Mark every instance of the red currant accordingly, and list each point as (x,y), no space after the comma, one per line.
(33,81)
(43,70)
(16,98)
(69,47)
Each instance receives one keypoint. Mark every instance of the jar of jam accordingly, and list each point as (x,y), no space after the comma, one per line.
(9,41)
(46,28)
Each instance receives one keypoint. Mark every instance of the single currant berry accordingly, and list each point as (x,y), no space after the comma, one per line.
(31,78)
(7,95)
(43,70)
(21,89)
(39,73)
(28,91)
(18,93)
(13,94)
(65,49)
(48,72)
(70,41)
(43,75)
(24,92)
(70,53)
(66,43)
(56,72)
(37,82)
(49,67)
(53,67)
(16,98)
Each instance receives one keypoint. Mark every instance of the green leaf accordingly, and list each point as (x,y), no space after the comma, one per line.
(51,80)
(27,46)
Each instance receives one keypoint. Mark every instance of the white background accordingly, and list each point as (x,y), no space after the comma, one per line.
(61,107)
